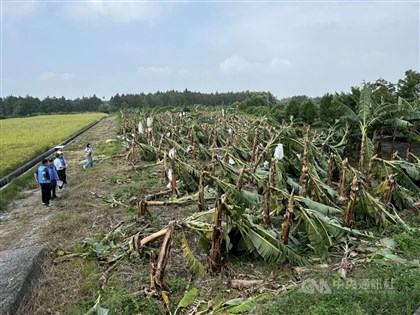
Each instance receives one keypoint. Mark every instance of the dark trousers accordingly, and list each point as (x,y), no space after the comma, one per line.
(46,193)
(53,188)
(62,175)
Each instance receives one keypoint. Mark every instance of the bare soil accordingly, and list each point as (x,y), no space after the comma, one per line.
(20,225)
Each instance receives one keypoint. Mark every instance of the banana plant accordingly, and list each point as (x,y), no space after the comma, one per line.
(251,189)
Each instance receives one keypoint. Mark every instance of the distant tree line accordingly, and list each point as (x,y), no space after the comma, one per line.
(385,110)
(328,108)
(13,106)
(325,109)
(175,99)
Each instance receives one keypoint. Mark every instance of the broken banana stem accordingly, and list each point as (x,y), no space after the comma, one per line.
(267,202)
(285,226)
(215,257)
(341,187)
(349,214)
(330,169)
(201,201)
(164,255)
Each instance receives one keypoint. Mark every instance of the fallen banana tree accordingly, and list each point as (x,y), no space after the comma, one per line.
(217,227)
(258,214)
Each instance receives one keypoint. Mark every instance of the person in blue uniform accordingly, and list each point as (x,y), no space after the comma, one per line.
(53,177)
(42,177)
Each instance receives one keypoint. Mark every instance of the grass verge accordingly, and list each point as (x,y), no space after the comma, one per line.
(372,288)
(16,187)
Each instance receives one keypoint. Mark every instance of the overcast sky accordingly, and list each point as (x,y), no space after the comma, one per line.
(80,48)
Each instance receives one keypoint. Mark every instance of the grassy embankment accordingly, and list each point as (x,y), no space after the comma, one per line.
(22,139)
(371,287)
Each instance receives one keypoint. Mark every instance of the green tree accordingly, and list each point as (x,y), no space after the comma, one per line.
(292,109)
(409,87)
(300,98)
(309,112)
(19,108)
(349,99)
(383,92)
(327,112)
(7,106)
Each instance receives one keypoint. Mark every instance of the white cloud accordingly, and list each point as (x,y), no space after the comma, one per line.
(183,72)
(239,65)
(154,70)
(67,76)
(48,75)
(286,47)
(235,65)
(277,65)
(117,11)
(17,10)
(288,29)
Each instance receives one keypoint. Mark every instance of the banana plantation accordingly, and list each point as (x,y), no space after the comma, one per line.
(283,193)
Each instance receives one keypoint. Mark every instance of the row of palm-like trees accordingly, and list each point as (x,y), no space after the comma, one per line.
(281,192)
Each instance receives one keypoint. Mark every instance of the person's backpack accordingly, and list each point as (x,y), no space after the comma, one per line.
(46,173)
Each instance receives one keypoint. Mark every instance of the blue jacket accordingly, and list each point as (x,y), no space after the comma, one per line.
(43,175)
(63,161)
(51,169)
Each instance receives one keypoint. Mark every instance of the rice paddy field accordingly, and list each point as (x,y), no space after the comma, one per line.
(22,139)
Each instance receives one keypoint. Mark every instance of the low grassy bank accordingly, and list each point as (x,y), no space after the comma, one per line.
(22,139)
(17,188)
(381,287)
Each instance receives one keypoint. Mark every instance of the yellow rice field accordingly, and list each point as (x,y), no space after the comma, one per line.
(22,139)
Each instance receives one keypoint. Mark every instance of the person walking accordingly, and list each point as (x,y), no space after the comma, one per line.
(42,177)
(64,164)
(53,177)
(88,151)
(60,168)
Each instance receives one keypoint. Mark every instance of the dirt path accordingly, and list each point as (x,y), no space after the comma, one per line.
(24,219)
(21,223)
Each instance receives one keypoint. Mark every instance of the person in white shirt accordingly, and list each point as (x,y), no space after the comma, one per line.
(61,168)
(88,151)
